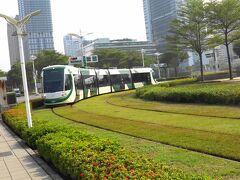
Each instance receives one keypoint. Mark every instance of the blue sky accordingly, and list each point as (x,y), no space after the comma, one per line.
(114,19)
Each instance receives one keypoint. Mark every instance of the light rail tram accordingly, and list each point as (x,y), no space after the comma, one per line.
(63,84)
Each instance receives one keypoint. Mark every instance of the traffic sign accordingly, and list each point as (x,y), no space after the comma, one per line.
(83,59)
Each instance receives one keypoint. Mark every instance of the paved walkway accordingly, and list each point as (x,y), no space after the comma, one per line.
(18,161)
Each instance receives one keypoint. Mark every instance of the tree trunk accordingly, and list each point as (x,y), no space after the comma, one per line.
(229,62)
(176,71)
(201,66)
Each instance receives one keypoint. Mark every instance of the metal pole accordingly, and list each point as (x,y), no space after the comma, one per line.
(159,75)
(143,57)
(35,78)
(24,77)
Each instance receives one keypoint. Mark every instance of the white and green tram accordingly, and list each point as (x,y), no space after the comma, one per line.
(63,84)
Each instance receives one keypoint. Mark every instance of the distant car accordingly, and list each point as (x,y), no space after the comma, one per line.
(17,92)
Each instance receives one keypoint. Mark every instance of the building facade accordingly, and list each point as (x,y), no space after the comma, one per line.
(158,14)
(127,45)
(13,44)
(39,29)
(72,45)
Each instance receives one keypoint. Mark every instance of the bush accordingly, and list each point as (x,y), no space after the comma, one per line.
(11,98)
(79,155)
(37,103)
(210,93)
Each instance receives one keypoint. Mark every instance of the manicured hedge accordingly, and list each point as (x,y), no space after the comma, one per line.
(79,155)
(211,93)
(37,103)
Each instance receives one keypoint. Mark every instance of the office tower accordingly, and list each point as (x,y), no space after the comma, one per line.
(13,44)
(39,29)
(72,45)
(158,15)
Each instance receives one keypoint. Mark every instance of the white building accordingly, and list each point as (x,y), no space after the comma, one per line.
(72,45)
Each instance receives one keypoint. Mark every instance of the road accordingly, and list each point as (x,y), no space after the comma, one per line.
(34,96)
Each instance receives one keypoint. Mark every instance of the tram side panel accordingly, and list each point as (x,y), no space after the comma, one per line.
(103,78)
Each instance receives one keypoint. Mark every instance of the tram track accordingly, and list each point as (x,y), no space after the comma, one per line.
(149,139)
(170,112)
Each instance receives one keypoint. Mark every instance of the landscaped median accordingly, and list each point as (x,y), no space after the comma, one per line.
(210,93)
(79,155)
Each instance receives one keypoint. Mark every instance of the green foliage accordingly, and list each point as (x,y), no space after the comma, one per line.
(44,58)
(189,29)
(2,73)
(119,58)
(11,98)
(224,20)
(37,103)
(47,58)
(214,93)
(79,155)
(14,76)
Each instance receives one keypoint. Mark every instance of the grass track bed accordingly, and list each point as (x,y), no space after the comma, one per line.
(200,141)
(188,161)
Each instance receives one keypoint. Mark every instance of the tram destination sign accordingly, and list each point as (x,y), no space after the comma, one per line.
(84,59)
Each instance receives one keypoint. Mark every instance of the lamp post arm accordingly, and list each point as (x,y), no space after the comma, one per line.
(9,19)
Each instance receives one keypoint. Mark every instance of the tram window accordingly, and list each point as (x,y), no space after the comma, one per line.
(89,81)
(116,79)
(126,78)
(53,80)
(103,80)
(79,82)
(68,83)
(141,77)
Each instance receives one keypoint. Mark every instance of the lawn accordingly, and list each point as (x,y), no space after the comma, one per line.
(188,161)
(209,129)
(203,134)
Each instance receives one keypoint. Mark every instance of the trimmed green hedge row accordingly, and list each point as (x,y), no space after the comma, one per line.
(211,93)
(37,103)
(80,155)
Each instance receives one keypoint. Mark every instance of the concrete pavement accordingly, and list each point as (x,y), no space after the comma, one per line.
(18,161)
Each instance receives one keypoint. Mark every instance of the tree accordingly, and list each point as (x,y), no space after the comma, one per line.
(189,30)
(173,59)
(2,73)
(47,58)
(14,76)
(224,19)
(44,58)
(119,58)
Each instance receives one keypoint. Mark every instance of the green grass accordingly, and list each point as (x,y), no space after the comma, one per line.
(128,100)
(210,93)
(188,161)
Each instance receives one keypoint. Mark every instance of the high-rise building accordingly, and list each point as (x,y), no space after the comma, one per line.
(158,15)
(13,44)
(72,45)
(39,29)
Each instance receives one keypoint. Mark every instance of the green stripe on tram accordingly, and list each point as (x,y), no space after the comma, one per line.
(57,100)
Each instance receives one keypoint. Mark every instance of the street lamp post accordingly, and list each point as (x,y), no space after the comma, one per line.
(143,51)
(81,37)
(158,54)
(19,25)
(34,74)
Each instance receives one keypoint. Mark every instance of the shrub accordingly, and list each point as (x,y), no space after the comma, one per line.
(37,103)
(79,155)
(211,93)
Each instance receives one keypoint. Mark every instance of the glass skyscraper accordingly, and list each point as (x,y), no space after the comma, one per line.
(158,15)
(39,29)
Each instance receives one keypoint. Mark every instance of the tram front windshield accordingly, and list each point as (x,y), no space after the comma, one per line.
(53,80)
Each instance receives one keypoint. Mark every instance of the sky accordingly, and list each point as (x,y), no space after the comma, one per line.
(114,19)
